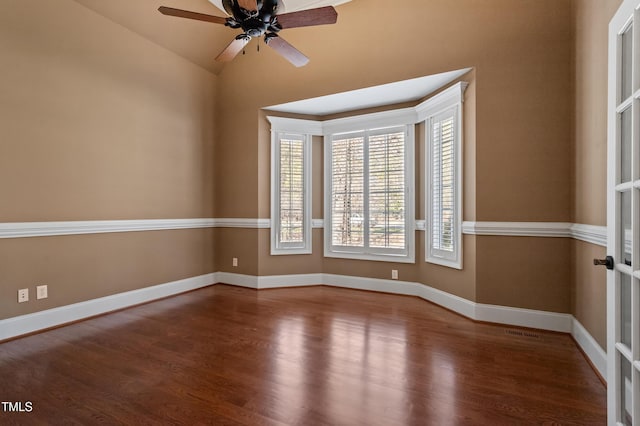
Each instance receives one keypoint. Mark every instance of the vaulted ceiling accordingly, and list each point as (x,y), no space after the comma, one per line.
(198,42)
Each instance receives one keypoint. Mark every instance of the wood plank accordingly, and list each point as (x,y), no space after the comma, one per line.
(319,355)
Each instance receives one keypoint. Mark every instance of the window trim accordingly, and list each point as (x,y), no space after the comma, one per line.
(385,255)
(411,116)
(450,99)
(278,248)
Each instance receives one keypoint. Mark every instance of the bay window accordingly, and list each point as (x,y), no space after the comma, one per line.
(369,194)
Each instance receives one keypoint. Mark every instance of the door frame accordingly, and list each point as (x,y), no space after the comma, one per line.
(626,15)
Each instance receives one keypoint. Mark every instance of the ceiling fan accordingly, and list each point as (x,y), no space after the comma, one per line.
(260,17)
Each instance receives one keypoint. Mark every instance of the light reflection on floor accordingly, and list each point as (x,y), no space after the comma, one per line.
(369,364)
(288,371)
(369,358)
(444,377)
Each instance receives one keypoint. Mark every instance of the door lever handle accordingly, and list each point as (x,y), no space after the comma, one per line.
(607,262)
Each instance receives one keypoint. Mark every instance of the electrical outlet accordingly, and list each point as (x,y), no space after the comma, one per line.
(235,261)
(23,295)
(394,274)
(42,292)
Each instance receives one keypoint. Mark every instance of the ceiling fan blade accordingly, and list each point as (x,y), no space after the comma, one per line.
(191,15)
(286,50)
(250,5)
(232,50)
(307,18)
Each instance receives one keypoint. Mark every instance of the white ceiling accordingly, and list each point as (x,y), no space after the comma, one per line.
(370,97)
(293,5)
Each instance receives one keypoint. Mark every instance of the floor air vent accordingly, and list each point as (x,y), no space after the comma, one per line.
(523,333)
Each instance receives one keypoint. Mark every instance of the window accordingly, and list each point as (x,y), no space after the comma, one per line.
(291,193)
(444,179)
(369,199)
(369,194)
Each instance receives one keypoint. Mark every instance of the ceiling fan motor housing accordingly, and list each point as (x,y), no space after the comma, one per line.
(254,27)
(254,23)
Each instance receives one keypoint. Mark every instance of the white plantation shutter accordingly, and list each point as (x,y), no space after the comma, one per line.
(443,199)
(347,191)
(291,190)
(443,181)
(368,180)
(292,194)
(387,190)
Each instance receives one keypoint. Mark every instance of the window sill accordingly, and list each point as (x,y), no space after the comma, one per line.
(455,264)
(289,252)
(371,257)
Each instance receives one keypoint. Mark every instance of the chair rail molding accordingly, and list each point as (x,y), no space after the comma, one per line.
(593,234)
(79,227)
(518,229)
(588,233)
(48,229)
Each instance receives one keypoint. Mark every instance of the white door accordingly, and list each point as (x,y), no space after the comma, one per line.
(623,217)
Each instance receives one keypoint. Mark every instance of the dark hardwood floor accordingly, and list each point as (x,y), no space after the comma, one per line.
(310,356)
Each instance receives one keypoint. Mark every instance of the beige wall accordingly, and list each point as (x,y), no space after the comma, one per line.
(520,51)
(98,123)
(525,272)
(518,146)
(592,25)
(589,293)
(591,20)
(84,267)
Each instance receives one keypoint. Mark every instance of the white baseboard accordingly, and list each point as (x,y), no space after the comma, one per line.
(477,311)
(450,301)
(543,320)
(25,324)
(590,347)
(282,281)
(248,281)
(406,288)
